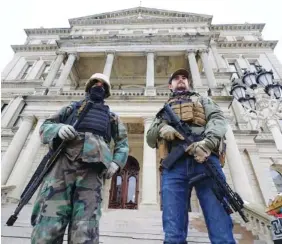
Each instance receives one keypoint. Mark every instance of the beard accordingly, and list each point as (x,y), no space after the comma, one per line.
(181,87)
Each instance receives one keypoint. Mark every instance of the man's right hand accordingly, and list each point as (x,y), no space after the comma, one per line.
(67,132)
(169,133)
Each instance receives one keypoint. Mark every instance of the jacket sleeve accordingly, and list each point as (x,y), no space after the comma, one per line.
(49,129)
(153,132)
(121,147)
(216,126)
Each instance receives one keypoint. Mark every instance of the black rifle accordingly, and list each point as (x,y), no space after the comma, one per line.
(43,169)
(228,198)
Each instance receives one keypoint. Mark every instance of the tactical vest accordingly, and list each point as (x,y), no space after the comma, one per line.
(97,120)
(188,111)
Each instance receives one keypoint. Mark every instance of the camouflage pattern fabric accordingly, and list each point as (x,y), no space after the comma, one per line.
(70,195)
(94,149)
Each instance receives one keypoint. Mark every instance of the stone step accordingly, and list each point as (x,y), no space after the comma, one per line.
(120,226)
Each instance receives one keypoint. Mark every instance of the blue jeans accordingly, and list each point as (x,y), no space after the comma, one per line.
(176,203)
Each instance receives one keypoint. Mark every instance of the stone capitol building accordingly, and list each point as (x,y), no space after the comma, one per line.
(138,49)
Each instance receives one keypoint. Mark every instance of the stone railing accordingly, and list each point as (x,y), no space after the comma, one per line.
(259,222)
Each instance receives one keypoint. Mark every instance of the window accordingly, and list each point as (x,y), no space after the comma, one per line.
(26,71)
(233,68)
(277,179)
(45,71)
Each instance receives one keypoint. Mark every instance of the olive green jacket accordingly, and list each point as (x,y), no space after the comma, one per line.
(214,130)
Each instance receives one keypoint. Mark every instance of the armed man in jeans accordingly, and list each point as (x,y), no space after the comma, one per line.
(71,194)
(208,126)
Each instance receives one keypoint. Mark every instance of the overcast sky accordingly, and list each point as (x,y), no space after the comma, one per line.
(16,15)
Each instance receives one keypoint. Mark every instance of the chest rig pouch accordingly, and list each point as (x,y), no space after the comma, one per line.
(97,120)
(189,111)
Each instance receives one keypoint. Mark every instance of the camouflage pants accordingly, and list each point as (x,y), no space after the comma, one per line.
(71,194)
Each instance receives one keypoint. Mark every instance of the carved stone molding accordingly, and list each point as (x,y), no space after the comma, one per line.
(248,44)
(190,19)
(47,31)
(245,27)
(34,48)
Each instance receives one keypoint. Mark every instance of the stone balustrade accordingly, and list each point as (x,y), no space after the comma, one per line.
(259,222)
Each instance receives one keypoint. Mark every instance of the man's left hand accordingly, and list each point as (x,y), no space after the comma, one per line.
(200,150)
(111,170)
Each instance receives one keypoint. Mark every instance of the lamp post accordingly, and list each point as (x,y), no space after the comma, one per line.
(261,99)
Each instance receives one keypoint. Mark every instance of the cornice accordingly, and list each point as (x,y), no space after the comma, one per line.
(247,44)
(132,40)
(47,31)
(190,19)
(34,48)
(236,27)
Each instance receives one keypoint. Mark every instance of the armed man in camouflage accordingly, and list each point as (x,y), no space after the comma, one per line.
(71,194)
(208,126)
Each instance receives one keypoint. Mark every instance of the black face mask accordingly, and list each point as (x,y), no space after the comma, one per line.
(97,93)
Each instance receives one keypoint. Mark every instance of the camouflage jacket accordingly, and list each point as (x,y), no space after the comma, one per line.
(87,146)
(214,130)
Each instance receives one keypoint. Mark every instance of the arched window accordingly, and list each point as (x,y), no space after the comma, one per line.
(277,179)
(124,189)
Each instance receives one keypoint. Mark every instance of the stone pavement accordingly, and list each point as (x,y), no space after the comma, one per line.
(119,227)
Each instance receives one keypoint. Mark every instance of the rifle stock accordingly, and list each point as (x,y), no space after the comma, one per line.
(45,166)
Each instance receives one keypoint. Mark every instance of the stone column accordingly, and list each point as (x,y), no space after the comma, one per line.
(67,69)
(15,147)
(149,174)
(33,74)
(276,133)
(208,69)
(109,64)
(54,69)
(219,62)
(194,69)
(238,113)
(236,167)
(10,115)
(23,166)
(150,75)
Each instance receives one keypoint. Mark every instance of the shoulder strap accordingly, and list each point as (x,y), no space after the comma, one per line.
(74,108)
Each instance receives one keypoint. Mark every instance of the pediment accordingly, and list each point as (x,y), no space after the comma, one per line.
(141,13)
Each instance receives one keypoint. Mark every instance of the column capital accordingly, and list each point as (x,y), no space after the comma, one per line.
(204,50)
(110,52)
(29,118)
(74,54)
(147,51)
(188,51)
(63,53)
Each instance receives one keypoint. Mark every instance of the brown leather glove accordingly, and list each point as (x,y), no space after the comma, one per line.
(200,150)
(169,133)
